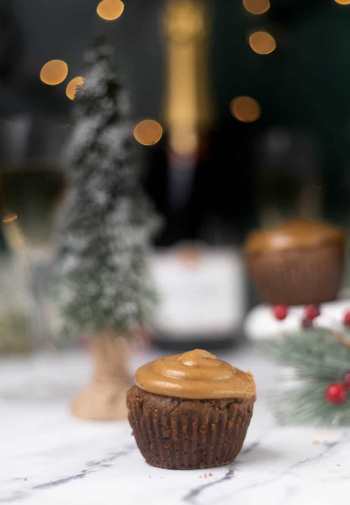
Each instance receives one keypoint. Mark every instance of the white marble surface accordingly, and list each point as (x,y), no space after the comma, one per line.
(49,458)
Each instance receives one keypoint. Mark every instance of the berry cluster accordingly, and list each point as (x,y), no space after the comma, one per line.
(311,312)
(337,393)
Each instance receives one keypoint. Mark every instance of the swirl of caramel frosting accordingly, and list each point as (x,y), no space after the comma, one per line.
(196,374)
(297,233)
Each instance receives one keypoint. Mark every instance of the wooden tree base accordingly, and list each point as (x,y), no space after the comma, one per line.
(101,401)
(104,399)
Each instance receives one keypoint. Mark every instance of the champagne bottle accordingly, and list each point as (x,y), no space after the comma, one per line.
(201,287)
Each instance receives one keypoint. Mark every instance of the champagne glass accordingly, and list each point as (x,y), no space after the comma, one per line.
(31,187)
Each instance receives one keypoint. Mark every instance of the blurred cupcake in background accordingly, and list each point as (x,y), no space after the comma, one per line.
(297,263)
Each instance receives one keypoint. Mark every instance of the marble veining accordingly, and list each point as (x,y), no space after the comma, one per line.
(193,494)
(91,466)
(50,458)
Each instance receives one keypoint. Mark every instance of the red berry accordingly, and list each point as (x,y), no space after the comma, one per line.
(346,318)
(307,323)
(346,381)
(280,312)
(311,312)
(336,394)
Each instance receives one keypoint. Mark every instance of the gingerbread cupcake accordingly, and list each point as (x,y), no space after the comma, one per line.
(298,263)
(190,410)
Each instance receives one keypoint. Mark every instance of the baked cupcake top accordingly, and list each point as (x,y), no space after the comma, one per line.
(196,375)
(295,234)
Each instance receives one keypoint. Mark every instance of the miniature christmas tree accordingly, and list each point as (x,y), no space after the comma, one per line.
(106,227)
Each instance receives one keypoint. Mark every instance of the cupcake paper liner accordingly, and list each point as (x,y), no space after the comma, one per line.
(186,434)
(298,277)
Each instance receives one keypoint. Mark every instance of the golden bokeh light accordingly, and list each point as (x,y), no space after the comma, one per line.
(148,132)
(262,42)
(342,2)
(10,218)
(54,72)
(245,109)
(110,10)
(256,7)
(73,86)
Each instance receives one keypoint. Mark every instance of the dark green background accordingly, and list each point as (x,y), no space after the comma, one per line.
(303,86)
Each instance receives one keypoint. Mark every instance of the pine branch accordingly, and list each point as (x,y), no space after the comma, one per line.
(318,360)
(315,354)
(307,405)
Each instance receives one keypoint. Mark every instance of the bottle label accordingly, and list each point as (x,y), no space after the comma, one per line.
(201,292)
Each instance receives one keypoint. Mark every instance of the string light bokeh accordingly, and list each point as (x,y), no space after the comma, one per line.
(148,132)
(245,108)
(256,7)
(54,72)
(110,10)
(73,86)
(262,42)
(342,2)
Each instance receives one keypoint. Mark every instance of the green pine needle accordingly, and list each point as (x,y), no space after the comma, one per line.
(318,359)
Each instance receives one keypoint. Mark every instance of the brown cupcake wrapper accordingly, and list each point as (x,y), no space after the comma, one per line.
(208,437)
(298,277)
